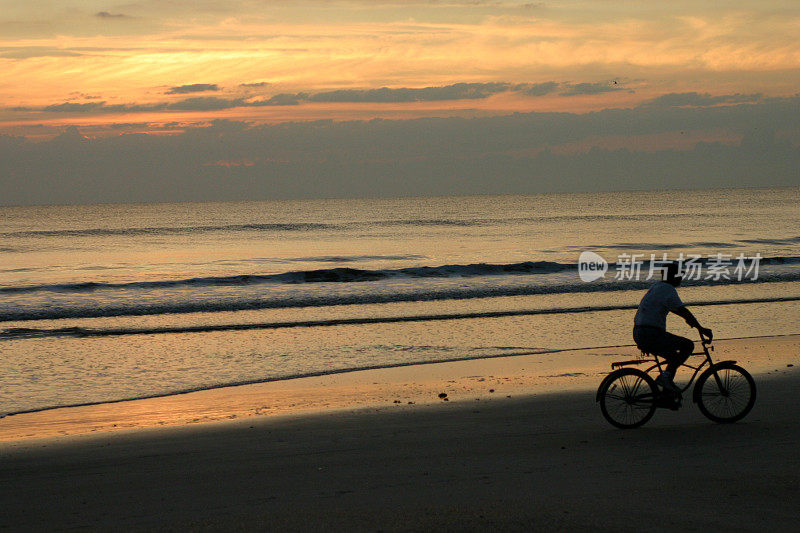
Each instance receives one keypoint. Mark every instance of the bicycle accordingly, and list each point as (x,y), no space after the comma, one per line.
(629,397)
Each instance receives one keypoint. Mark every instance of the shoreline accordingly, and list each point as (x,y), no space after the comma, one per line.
(470,379)
(355,369)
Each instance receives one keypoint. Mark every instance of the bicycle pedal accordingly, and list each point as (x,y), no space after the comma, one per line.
(669,401)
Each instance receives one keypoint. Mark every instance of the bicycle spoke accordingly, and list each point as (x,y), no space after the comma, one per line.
(638,383)
(732,399)
(628,400)
(624,384)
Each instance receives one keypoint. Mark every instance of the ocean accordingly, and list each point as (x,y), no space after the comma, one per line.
(104,303)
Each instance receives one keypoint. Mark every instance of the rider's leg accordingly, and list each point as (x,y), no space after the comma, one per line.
(682,349)
(673,348)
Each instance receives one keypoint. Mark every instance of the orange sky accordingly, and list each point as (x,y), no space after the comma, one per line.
(148,55)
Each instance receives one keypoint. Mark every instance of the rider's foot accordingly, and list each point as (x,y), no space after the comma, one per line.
(669,400)
(674,402)
(665,380)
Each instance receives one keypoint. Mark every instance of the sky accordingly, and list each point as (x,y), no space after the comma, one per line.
(104,101)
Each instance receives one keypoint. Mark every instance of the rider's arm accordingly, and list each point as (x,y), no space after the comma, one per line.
(687,315)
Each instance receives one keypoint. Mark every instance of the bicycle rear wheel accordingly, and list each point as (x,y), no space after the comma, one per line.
(627,398)
(730,399)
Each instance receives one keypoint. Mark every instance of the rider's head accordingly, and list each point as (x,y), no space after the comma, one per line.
(671,274)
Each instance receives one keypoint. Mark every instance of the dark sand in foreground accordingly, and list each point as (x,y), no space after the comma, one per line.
(549,461)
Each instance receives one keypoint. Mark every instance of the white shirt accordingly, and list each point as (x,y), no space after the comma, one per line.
(656,305)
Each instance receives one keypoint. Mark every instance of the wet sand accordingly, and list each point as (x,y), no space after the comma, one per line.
(540,459)
(386,388)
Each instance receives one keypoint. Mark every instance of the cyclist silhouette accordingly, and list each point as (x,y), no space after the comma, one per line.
(650,326)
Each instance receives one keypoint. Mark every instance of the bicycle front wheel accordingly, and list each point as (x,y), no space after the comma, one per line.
(627,398)
(730,398)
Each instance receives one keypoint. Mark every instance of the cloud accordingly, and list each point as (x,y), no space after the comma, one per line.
(678,46)
(483,155)
(590,88)
(453,92)
(95,108)
(205,103)
(694,99)
(283,99)
(107,15)
(198,103)
(193,88)
(457,91)
(71,107)
(537,89)
(25,52)
(129,125)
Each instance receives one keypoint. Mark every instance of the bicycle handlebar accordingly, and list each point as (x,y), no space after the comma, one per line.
(704,339)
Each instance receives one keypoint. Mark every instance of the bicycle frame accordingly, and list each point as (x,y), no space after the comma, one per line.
(628,397)
(707,349)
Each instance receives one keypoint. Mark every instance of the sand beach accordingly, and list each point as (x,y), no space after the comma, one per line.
(520,445)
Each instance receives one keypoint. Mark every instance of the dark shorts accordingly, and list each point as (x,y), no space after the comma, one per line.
(659,342)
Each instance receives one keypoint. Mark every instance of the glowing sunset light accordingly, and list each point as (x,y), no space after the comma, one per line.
(165,70)
(133,58)
(339,265)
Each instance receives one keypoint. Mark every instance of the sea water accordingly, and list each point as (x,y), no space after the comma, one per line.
(108,302)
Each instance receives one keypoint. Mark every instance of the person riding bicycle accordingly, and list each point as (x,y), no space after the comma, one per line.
(650,326)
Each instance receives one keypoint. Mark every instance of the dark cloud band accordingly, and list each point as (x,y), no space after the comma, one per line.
(194,88)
